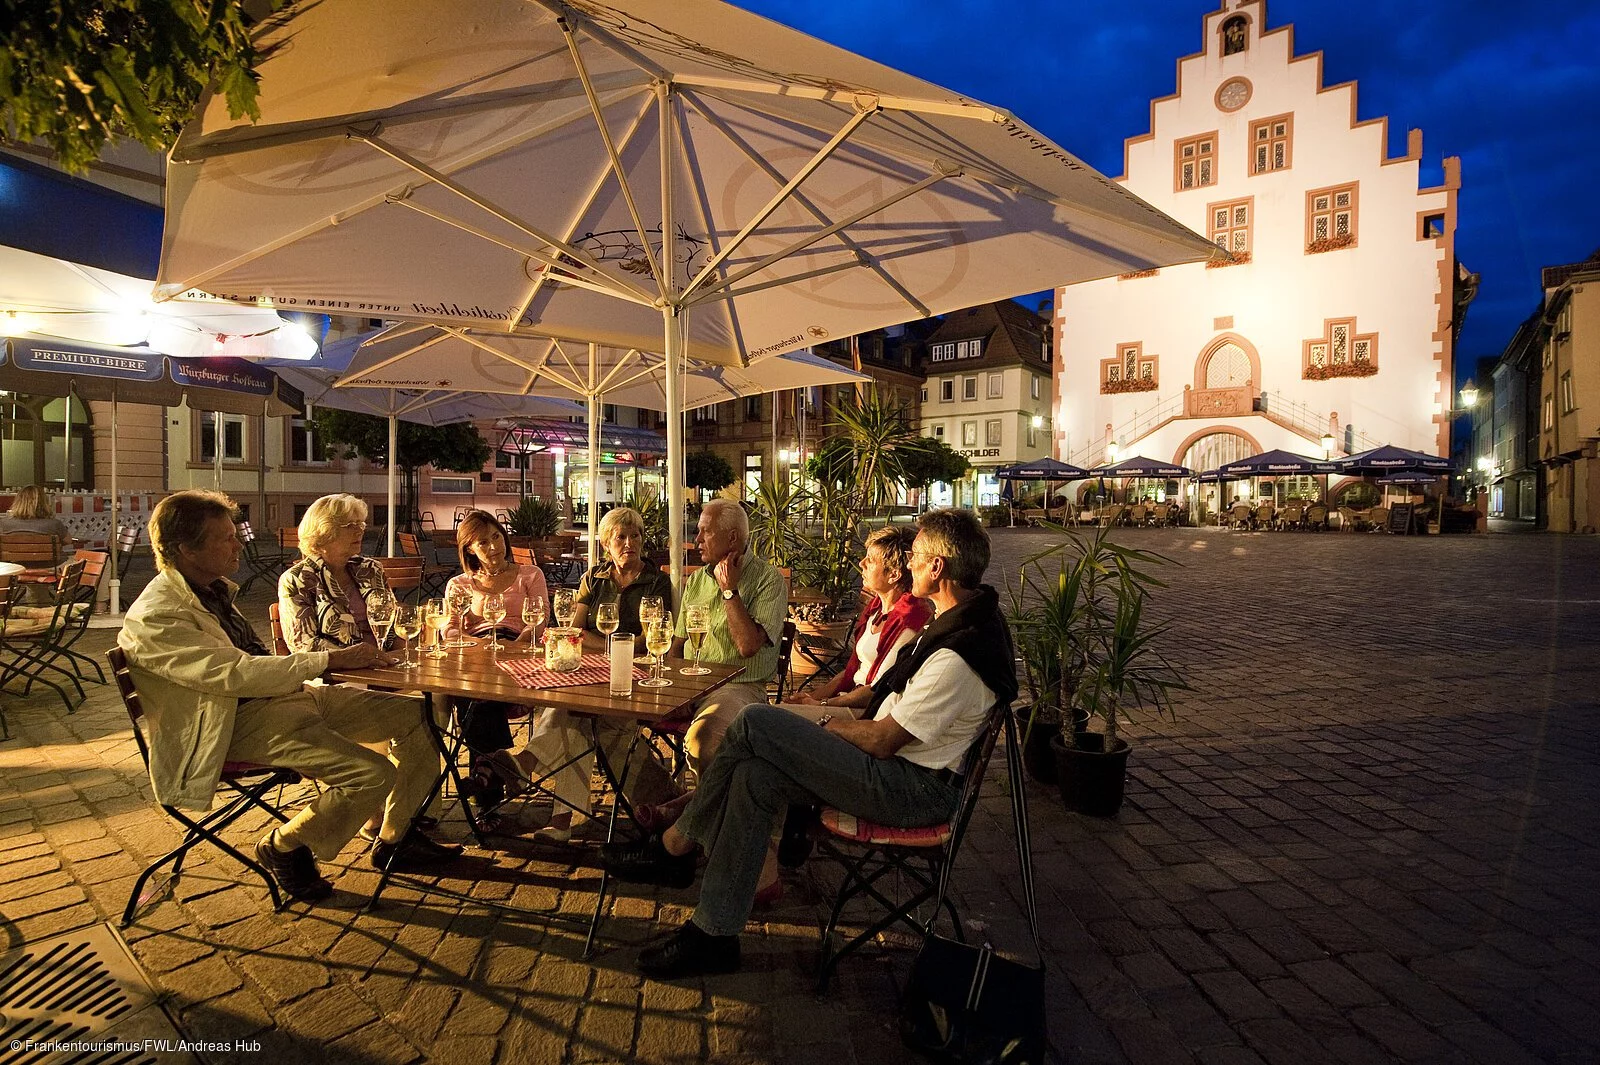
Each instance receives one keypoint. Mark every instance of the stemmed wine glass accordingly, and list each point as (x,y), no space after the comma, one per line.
(407,624)
(439,618)
(606,619)
(532,616)
(650,608)
(460,603)
(658,640)
(494,612)
(696,623)
(380,616)
(561,605)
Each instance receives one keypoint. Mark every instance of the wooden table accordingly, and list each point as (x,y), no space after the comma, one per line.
(473,674)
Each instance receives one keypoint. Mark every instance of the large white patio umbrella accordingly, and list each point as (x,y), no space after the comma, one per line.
(679,175)
(425,371)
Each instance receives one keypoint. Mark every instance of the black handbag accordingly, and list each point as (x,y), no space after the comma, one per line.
(966,1004)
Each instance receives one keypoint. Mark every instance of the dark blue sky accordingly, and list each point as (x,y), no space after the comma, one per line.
(1513,89)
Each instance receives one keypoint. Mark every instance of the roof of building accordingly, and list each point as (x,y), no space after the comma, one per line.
(1011,335)
(1556,276)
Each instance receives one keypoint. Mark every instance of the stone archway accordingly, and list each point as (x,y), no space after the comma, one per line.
(1227,376)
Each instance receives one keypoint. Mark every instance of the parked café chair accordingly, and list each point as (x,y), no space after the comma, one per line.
(31,637)
(1378,519)
(403,574)
(434,572)
(280,646)
(264,561)
(247,786)
(1316,518)
(1262,518)
(127,543)
(876,859)
(85,593)
(37,553)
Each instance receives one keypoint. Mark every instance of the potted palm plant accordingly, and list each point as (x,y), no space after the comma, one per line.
(533,519)
(1090,655)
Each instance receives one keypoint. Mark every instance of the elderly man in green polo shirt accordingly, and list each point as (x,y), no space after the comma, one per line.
(746,597)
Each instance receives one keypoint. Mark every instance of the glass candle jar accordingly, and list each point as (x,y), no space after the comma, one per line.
(563,649)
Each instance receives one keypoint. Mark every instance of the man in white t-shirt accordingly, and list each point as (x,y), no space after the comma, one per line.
(899,766)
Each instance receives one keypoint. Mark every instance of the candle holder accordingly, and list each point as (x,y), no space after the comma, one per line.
(563,649)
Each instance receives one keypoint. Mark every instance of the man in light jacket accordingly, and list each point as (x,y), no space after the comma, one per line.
(214,693)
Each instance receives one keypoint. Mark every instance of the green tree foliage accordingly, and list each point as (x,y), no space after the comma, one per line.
(707,470)
(933,462)
(77,73)
(459,448)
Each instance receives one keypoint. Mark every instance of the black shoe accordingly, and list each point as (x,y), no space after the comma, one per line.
(648,862)
(414,853)
(794,847)
(295,872)
(484,788)
(691,952)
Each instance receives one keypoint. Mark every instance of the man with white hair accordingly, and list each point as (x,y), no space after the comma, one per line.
(747,598)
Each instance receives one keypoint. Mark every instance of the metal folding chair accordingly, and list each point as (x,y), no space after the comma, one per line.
(31,638)
(868,853)
(247,785)
(263,561)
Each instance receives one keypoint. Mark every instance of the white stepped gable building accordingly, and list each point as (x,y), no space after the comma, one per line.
(1337,302)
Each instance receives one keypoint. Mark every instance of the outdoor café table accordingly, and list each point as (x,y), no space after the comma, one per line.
(472,673)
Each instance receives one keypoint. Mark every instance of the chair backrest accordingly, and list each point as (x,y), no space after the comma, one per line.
(785,652)
(1378,516)
(410,545)
(128,537)
(425,520)
(522,556)
(33,550)
(118,658)
(289,538)
(94,567)
(280,646)
(461,512)
(403,574)
(68,579)
(1317,513)
(1240,511)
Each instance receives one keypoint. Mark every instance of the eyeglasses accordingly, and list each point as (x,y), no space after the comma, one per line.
(354,525)
(919,553)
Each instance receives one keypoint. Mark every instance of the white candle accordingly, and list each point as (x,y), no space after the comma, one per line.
(621,663)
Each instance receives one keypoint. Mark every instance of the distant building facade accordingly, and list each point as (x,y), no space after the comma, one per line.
(1569,396)
(1335,311)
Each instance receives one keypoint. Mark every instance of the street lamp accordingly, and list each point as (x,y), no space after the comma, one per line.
(1327,447)
(1112,448)
(1469,395)
(1038,421)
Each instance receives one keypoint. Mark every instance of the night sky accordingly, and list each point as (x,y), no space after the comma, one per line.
(1513,89)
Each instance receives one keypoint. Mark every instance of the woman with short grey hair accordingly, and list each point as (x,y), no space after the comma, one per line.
(323,598)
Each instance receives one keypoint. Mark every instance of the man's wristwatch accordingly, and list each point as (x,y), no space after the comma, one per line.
(729,593)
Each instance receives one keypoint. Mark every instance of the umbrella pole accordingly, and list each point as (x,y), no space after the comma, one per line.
(674,346)
(116,526)
(594,453)
(389,486)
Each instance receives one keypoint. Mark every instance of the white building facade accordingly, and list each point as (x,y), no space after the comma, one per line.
(1334,312)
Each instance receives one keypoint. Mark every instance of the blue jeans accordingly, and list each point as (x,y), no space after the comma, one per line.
(769,759)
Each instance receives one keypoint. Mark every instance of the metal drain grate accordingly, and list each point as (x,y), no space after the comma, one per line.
(84,989)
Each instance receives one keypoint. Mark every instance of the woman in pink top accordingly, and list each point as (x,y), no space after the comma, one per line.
(488,570)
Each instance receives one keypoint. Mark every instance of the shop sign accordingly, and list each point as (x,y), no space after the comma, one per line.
(979,453)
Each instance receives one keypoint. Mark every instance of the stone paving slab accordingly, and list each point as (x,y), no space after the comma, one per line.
(1368,835)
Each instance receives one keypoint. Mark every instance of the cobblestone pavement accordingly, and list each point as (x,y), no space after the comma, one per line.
(1369,835)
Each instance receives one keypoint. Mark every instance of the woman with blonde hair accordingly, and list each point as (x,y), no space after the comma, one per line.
(33,511)
(323,598)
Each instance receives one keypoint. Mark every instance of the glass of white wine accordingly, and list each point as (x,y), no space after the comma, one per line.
(658,640)
(407,624)
(494,612)
(439,621)
(696,623)
(380,617)
(532,618)
(606,619)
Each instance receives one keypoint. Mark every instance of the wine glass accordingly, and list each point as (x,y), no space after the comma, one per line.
(380,616)
(606,619)
(696,623)
(561,605)
(460,603)
(650,608)
(658,640)
(407,624)
(494,612)
(532,617)
(439,618)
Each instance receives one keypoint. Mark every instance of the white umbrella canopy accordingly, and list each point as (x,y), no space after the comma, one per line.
(443,360)
(669,174)
(45,297)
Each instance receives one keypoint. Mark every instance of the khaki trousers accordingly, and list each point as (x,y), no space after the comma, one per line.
(318,732)
(713,715)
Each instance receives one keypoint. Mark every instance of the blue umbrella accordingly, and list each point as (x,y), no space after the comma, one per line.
(1139,466)
(1275,463)
(1391,459)
(1042,470)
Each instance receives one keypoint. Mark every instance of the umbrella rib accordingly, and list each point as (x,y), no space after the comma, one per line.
(584,205)
(611,150)
(858,98)
(450,184)
(788,188)
(804,242)
(732,137)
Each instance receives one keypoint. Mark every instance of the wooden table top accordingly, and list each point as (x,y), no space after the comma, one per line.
(472,674)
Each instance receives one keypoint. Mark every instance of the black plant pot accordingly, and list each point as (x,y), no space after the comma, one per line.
(1037,756)
(1090,777)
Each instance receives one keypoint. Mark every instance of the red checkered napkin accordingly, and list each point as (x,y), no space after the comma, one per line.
(529,671)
